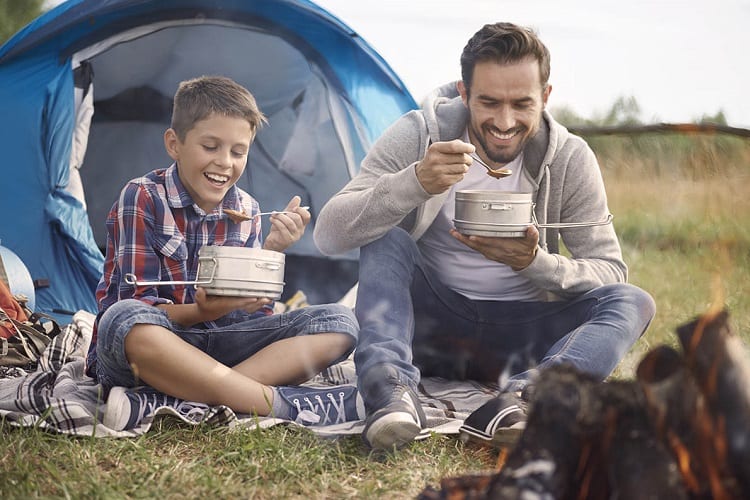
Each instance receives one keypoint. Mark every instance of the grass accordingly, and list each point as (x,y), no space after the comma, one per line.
(681,207)
(681,204)
(178,461)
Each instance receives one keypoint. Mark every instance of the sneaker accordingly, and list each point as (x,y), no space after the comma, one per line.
(127,407)
(397,423)
(500,421)
(323,406)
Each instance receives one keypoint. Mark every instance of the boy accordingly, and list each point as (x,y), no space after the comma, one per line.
(181,342)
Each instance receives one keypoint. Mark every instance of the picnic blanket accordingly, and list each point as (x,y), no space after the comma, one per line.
(59,396)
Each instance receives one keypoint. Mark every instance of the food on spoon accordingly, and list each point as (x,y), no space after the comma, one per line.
(236,216)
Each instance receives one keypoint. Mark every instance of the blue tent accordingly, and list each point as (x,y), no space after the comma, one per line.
(86,93)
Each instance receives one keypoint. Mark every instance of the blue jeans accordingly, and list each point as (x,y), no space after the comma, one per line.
(229,345)
(411,321)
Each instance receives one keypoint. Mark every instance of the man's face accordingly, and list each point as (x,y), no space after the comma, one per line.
(505,106)
(212,157)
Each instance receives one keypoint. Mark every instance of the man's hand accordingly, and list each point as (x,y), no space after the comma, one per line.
(287,228)
(517,253)
(444,164)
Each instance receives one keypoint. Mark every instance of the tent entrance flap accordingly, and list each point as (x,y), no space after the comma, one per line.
(306,149)
(87,92)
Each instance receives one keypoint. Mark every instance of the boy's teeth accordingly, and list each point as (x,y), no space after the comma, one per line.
(217,178)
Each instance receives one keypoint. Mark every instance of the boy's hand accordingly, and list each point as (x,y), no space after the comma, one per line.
(288,228)
(211,307)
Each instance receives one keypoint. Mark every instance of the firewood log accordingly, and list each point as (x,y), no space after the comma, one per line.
(586,439)
(720,365)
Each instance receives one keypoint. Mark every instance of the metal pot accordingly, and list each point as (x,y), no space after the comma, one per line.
(503,214)
(493,213)
(234,271)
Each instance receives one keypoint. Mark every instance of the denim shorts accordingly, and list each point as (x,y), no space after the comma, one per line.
(229,345)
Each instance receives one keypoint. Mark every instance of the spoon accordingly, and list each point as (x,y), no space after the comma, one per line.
(240,216)
(497,173)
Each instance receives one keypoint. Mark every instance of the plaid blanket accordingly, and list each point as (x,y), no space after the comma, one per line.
(58,396)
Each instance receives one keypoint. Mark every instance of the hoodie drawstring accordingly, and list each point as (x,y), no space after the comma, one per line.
(543,210)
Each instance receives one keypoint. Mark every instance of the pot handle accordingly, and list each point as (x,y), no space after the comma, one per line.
(604,222)
(131,279)
(497,206)
(270,266)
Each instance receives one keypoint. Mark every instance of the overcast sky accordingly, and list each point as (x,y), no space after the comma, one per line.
(680,59)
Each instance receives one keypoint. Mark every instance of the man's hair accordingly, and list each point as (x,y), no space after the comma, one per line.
(504,43)
(198,98)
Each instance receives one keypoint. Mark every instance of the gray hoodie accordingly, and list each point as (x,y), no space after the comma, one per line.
(560,170)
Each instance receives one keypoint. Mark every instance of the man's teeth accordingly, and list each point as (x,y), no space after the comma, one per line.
(503,135)
(217,178)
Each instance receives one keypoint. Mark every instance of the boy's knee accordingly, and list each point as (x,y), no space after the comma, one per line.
(339,318)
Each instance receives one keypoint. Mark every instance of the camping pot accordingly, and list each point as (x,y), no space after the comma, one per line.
(234,271)
(503,214)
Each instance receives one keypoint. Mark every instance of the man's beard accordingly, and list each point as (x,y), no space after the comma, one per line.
(502,157)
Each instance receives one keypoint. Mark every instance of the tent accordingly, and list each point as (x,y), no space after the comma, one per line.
(86,93)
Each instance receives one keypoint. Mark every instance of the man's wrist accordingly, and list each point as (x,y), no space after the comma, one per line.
(533,256)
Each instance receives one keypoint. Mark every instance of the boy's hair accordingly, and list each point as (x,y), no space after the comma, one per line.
(504,43)
(198,98)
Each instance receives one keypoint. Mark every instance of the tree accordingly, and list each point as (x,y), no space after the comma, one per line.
(624,111)
(568,117)
(719,118)
(15,14)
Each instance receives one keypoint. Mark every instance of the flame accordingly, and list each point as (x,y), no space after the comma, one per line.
(683,462)
(712,447)
(501,459)
(585,471)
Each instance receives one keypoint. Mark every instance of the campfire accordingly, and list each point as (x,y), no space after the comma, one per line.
(680,430)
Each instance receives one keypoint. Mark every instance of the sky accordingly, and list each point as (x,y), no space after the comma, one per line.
(680,59)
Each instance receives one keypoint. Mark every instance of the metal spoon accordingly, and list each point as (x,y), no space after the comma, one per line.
(281,212)
(497,173)
(240,216)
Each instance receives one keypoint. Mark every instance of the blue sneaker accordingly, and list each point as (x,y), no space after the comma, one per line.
(323,405)
(127,407)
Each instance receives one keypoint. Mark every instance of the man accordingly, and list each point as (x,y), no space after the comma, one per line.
(434,302)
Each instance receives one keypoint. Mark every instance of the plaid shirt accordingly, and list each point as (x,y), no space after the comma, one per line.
(154,231)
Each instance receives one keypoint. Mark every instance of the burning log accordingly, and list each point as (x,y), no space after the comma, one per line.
(630,455)
(583,440)
(720,364)
(544,462)
(602,445)
(681,430)
(676,405)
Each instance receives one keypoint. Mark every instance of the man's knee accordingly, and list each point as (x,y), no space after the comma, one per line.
(642,301)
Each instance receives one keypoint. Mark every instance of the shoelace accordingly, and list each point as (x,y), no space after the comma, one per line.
(322,410)
(189,409)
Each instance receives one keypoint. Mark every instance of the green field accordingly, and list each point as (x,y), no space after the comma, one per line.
(681,207)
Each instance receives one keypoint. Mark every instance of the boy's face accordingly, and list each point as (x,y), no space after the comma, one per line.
(212,157)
